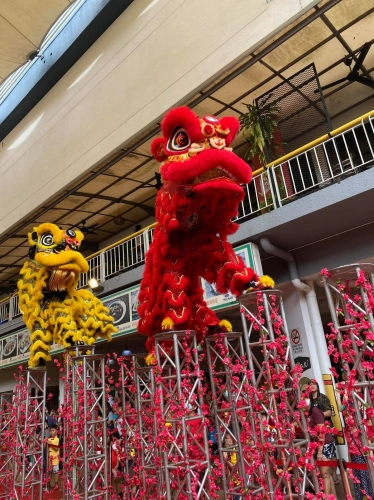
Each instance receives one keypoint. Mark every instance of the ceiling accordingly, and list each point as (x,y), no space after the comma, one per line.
(23,26)
(126,183)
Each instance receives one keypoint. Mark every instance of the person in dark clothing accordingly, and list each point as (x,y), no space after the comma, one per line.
(318,399)
(326,449)
(51,419)
(322,402)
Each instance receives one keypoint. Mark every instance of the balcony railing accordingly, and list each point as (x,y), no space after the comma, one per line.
(345,151)
(331,158)
(119,257)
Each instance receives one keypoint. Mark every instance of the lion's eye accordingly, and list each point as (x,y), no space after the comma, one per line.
(47,240)
(179,140)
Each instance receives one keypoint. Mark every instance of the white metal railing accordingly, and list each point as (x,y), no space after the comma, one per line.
(4,312)
(333,160)
(94,271)
(118,258)
(14,306)
(344,154)
(259,196)
(9,309)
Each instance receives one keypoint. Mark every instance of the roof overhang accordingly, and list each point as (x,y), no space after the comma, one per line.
(87,24)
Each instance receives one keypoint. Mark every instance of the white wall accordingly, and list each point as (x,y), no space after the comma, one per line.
(153,57)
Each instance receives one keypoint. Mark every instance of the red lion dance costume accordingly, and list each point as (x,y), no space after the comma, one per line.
(194,211)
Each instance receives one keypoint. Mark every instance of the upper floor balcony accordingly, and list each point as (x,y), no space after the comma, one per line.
(342,155)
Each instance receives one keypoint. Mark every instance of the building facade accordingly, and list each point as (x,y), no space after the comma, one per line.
(80,157)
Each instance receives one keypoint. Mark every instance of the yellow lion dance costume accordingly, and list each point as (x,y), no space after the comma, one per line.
(53,309)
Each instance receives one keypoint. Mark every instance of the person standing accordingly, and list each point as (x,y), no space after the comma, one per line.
(326,449)
(318,399)
(53,456)
(362,485)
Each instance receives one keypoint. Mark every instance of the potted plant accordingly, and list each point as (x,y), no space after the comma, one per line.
(261,133)
(258,127)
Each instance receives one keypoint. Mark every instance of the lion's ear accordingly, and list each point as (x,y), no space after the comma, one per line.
(158,149)
(33,237)
(79,236)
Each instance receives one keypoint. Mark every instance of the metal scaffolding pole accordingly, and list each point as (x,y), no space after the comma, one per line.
(85,443)
(130,428)
(275,396)
(150,461)
(232,404)
(7,433)
(349,292)
(29,407)
(182,430)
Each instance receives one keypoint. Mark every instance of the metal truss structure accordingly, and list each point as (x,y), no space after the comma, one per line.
(182,431)
(29,411)
(232,405)
(85,443)
(149,460)
(7,433)
(349,292)
(131,429)
(274,394)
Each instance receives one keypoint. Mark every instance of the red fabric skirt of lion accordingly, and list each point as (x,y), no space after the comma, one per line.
(194,210)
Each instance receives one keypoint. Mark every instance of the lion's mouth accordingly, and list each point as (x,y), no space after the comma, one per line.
(217,173)
(59,248)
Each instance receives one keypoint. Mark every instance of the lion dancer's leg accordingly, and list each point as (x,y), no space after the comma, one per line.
(65,329)
(176,304)
(205,320)
(33,305)
(41,340)
(171,306)
(163,298)
(91,316)
(149,311)
(230,272)
(204,317)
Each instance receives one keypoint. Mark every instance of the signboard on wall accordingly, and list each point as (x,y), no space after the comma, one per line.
(123,306)
(15,348)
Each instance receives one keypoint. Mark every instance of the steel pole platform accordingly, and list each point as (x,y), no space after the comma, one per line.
(7,452)
(232,405)
(350,297)
(85,443)
(275,394)
(150,459)
(29,410)
(182,429)
(131,428)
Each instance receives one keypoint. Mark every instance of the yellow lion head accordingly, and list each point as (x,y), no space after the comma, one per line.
(56,248)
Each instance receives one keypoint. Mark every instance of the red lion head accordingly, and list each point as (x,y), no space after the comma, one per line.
(195,151)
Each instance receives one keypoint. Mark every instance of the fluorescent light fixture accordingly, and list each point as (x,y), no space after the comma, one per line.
(148,8)
(85,72)
(25,134)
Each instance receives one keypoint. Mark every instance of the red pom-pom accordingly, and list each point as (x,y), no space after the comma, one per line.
(231,123)
(207,129)
(158,149)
